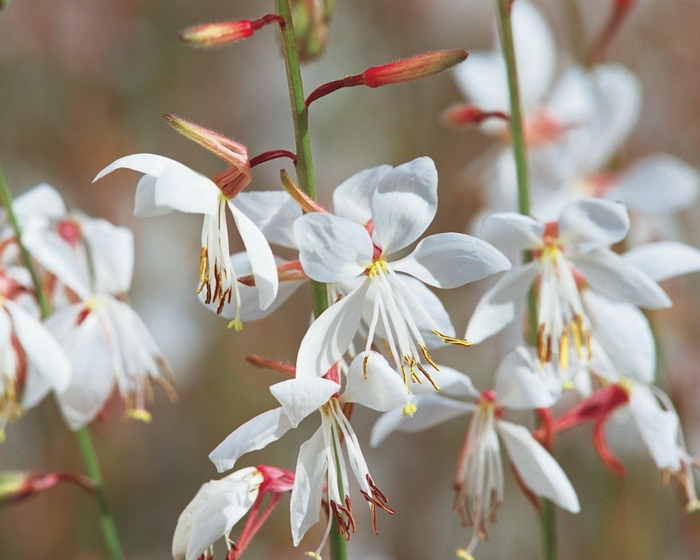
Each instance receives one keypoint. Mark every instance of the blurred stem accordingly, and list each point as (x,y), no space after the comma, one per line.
(547,527)
(109,531)
(300,118)
(577,28)
(305,176)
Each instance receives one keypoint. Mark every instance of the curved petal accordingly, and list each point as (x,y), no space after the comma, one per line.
(373,383)
(111,254)
(665,259)
(330,335)
(501,304)
(432,306)
(521,384)
(42,201)
(573,100)
(262,261)
(431,410)
(657,184)
(537,468)
(483,81)
(612,276)
(449,260)
(253,435)
(332,249)
(452,383)
(300,397)
(352,199)
(591,223)
(145,201)
(658,428)
(273,212)
(149,164)
(509,230)
(307,491)
(404,204)
(180,188)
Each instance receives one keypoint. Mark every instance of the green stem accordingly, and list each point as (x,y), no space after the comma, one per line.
(547,526)
(305,176)
(300,118)
(109,531)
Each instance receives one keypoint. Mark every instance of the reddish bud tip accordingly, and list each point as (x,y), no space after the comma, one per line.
(215,34)
(466,115)
(413,68)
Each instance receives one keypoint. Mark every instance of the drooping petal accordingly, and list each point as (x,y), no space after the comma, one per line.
(145,200)
(522,384)
(330,335)
(305,504)
(42,201)
(332,249)
(300,397)
(657,184)
(665,259)
(537,468)
(352,199)
(180,188)
(431,410)
(373,383)
(111,254)
(404,204)
(149,164)
(251,436)
(502,303)
(262,261)
(273,212)
(509,230)
(483,81)
(573,100)
(449,260)
(591,223)
(612,276)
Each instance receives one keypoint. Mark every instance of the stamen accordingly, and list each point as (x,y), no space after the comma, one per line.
(377,499)
(427,357)
(564,348)
(364,365)
(452,340)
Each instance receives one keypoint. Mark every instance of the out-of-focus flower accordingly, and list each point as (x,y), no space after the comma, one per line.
(519,384)
(16,486)
(336,249)
(220,504)
(311,19)
(320,459)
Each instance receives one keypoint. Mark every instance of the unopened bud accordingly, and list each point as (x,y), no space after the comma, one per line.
(216,34)
(19,485)
(465,115)
(414,68)
(311,21)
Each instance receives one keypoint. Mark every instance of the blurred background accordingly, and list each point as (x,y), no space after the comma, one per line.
(83,82)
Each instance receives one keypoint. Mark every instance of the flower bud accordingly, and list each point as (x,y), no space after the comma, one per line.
(215,34)
(413,68)
(19,485)
(311,21)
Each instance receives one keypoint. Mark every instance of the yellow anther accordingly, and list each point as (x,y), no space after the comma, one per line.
(92,303)
(568,386)
(377,265)
(693,506)
(461,553)
(452,339)
(140,414)
(576,330)
(203,277)
(313,555)
(626,386)
(409,410)
(564,349)
(2,436)
(364,365)
(236,324)
(427,357)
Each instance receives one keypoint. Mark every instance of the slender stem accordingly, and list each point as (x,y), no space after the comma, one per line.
(109,531)
(305,176)
(547,527)
(300,118)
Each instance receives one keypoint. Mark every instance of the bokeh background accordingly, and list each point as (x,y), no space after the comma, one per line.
(83,82)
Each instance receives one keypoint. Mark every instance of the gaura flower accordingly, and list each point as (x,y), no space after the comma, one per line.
(168,185)
(478,483)
(567,255)
(220,504)
(336,249)
(320,458)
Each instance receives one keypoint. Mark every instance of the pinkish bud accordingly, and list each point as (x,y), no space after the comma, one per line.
(465,115)
(20,485)
(414,68)
(216,34)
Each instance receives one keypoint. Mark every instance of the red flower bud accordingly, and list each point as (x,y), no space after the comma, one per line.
(216,34)
(414,68)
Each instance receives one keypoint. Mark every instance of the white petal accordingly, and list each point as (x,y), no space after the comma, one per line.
(307,491)
(483,81)
(273,212)
(452,383)
(502,303)
(612,276)
(665,259)
(300,397)
(573,99)
(251,436)
(382,390)
(42,350)
(658,428)
(41,201)
(449,260)
(145,201)
(432,306)
(150,164)
(593,223)
(261,259)
(509,230)
(431,410)
(404,204)
(111,254)
(656,184)
(180,188)
(624,333)
(332,249)
(352,199)
(537,468)
(330,335)
(522,384)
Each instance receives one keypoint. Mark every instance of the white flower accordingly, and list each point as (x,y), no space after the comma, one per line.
(335,249)
(320,459)
(168,185)
(519,384)
(567,255)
